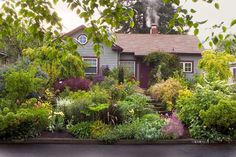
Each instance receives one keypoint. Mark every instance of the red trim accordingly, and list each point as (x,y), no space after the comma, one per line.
(98,62)
(192,66)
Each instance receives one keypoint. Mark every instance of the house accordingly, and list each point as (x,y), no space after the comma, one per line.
(129,51)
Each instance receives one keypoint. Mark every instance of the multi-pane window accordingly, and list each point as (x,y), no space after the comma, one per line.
(92,65)
(187,67)
(128,65)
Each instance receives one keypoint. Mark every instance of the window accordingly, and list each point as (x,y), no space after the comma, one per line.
(128,65)
(92,65)
(82,39)
(187,67)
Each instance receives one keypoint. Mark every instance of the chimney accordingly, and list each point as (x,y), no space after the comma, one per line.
(154,29)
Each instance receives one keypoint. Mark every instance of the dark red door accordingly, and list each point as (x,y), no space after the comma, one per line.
(144,73)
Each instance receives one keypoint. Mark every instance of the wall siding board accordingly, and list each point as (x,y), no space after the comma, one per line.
(195,59)
(108,57)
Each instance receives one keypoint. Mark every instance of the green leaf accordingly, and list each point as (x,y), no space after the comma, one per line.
(193,11)
(166,1)
(132,24)
(217,6)
(196,32)
(202,22)
(177,2)
(233,23)
(221,37)
(181,21)
(224,29)
(215,40)
(200,45)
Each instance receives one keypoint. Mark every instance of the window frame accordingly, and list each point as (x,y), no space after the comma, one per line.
(79,40)
(184,65)
(134,62)
(91,58)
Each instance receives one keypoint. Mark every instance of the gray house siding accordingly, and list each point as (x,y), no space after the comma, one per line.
(194,58)
(108,57)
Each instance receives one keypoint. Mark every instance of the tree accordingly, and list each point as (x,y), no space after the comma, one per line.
(147,13)
(216,65)
(228,45)
(164,65)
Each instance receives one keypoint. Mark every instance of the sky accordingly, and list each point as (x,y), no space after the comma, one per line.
(226,13)
(205,11)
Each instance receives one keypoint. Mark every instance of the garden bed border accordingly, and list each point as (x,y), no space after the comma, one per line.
(120,142)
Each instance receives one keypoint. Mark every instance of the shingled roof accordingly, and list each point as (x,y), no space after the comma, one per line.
(143,44)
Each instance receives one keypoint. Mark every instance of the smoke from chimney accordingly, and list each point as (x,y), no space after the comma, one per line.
(152,7)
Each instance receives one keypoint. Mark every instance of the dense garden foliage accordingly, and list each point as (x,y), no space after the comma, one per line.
(46,90)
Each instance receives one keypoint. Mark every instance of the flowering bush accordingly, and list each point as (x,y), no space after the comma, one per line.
(174,127)
(166,92)
(74,84)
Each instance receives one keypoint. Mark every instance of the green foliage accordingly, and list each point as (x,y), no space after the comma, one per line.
(81,130)
(216,65)
(83,105)
(209,111)
(198,131)
(19,83)
(57,121)
(98,129)
(149,127)
(99,95)
(23,124)
(121,75)
(166,92)
(23,25)
(222,116)
(134,106)
(60,60)
(164,65)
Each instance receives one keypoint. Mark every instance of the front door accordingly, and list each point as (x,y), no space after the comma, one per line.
(143,72)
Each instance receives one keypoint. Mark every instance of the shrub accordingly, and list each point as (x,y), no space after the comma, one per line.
(83,105)
(221,116)
(19,83)
(174,128)
(108,83)
(74,84)
(199,131)
(81,130)
(121,74)
(56,121)
(23,124)
(208,111)
(163,65)
(150,130)
(75,109)
(166,92)
(98,129)
(109,137)
(98,79)
(134,106)
(117,92)
(99,95)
